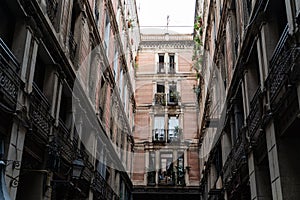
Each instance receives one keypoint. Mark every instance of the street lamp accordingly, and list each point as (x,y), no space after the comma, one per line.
(77,168)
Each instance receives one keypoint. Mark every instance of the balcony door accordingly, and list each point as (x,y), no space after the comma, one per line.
(173,128)
(166,173)
(159,128)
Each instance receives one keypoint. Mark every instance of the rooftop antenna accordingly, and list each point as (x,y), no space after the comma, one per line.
(168,20)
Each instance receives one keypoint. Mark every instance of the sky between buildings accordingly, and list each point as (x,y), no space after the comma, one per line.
(153,14)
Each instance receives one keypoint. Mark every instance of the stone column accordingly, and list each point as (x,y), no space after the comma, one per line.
(273,162)
(146,167)
(157,165)
(290,15)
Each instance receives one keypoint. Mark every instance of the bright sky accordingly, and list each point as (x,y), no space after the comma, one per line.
(155,12)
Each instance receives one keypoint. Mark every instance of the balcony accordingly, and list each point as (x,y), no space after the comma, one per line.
(255,116)
(99,186)
(166,177)
(169,135)
(180,175)
(9,79)
(281,63)
(39,112)
(160,99)
(51,9)
(67,146)
(101,189)
(174,135)
(235,160)
(159,135)
(173,98)
(151,178)
(89,168)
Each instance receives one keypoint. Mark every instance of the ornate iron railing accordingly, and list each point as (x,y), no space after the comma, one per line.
(180,176)
(151,177)
(159,135)
(280,64)
(160,99)
(99,186)
(67,146)
(39,112)
(9,79)
(255,114)
(52,9)
(89,168)
(174,135)
(235,159)
(173,99)
(166,178)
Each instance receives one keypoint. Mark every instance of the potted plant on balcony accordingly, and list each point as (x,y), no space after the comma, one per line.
(176,132)
(174,97)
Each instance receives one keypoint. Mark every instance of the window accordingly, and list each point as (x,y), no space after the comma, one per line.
(159,128)
(160,96)
(125,98)
(161,63)
(173,128)
(180,170)
(107,32)
(121,83)
(151,171)
(172,64)
(160,88)
(173,94)
(102,97)
(116,63)
(72,35)
(166,172)
(96,10)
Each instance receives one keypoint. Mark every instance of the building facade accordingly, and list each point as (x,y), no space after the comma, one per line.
(250,57)
(165,129)
(67,103)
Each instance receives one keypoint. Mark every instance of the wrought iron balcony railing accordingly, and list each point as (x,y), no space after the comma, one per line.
(9,79)
(180,176)
(280,65)
(99,186)
(235,159)
(89,168)
(169,135)
(174,135)
(39,112)
(67,146)
(255,114)
(160,99)
(173,99)
(52,9)
(166,177)
(159,135)
(151,176)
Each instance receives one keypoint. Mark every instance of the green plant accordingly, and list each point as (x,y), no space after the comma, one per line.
(197,39)
(198,24)
(175,95)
